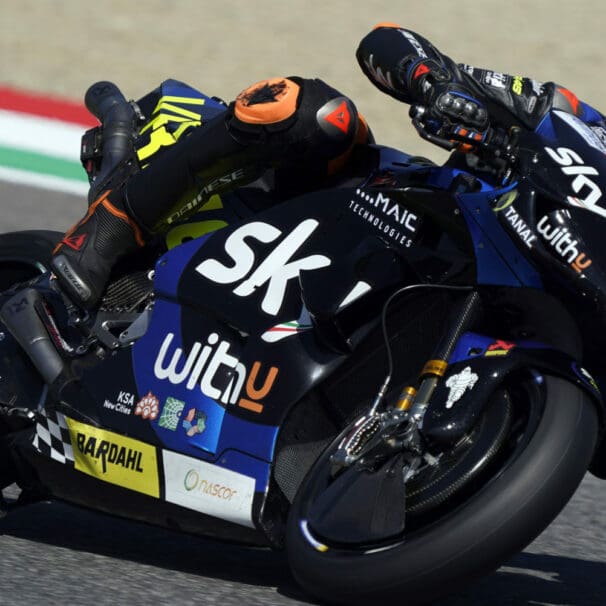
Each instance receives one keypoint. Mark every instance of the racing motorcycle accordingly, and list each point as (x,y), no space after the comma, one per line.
(392,379)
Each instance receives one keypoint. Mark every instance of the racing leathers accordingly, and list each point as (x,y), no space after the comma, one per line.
(297,126)
(304,126)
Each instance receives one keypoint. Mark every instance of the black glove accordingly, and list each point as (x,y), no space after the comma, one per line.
(446,107)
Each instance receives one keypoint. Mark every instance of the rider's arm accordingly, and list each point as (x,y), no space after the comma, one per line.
(408,67)
(528,99)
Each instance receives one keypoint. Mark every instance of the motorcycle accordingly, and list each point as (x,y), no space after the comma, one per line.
(390,379)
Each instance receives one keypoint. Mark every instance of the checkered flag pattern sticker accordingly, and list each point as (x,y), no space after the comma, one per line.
(52,437)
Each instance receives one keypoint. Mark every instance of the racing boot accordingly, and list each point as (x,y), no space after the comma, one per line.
(83,260)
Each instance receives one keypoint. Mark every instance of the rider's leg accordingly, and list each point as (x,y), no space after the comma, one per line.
(272,123)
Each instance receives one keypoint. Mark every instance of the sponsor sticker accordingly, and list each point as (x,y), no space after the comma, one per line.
(194,422)
(272,275)
(600,133)
(287,329)
(590,135)
(414,42)
(496,79)
(520,226)
(339,117)
(199,369)
(209,489)
(171,413)
(517,85)
(564,243)
(459,384)
(148,407)
(499,348)
(537,87)
(587,190)
(206,197)
(123,403)
(390,218)
(114,458)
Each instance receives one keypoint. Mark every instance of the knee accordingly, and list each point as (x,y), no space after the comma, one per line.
(296,119)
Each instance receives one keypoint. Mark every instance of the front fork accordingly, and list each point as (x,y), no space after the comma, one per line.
(417,400)
(383,430)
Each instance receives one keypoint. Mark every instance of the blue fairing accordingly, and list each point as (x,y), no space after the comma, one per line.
(590,115)
(202,428)
(170,267)
(472,345)
(443,177)
(546,127)
(174,88)
(498,258)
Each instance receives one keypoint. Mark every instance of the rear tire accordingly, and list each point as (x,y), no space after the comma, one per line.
(23,255)
(522,495)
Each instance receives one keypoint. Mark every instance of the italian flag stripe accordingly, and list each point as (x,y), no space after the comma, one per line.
(46,165)
(46,106)
(40,140)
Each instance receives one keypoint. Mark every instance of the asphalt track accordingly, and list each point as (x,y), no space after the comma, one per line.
(52,553)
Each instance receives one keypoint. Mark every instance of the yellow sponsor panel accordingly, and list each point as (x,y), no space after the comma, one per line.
(190,231)
(114,458)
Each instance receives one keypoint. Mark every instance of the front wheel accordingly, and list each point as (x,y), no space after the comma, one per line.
(473,516)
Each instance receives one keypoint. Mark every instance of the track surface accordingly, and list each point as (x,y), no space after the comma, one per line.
(51,553)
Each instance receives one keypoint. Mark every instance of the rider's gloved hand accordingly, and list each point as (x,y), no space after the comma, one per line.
(448,108)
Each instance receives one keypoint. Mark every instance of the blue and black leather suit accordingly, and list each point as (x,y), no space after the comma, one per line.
(301,127)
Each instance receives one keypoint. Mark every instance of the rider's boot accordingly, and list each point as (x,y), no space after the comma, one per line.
(83,260)
(82,263)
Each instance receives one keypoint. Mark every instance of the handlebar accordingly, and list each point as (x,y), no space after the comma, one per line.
(118,118)
(497,148)
(101,97)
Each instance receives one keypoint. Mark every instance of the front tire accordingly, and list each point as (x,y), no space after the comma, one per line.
(530,484)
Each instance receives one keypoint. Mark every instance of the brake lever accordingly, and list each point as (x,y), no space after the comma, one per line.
(499,148)
(417,112)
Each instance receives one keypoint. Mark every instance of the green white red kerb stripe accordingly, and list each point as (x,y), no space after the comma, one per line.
(40,141)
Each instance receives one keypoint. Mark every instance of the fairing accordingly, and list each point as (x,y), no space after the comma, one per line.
(479,366)
(251,318)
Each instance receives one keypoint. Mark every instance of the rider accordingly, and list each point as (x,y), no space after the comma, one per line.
(304,126)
